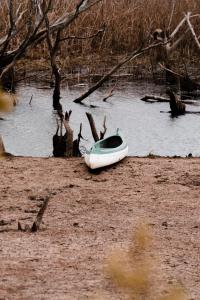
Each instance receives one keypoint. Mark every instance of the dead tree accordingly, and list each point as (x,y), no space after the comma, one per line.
(161,54)
(64,145)
(95,135)
(176,105)
(53,50)
(27,24)
(154,99)
(107,76)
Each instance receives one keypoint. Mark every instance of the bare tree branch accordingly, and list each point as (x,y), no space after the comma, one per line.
(171,15)
(92,126)
(83,37)
(106,77)
(102,133)
(39,33)
(192,29)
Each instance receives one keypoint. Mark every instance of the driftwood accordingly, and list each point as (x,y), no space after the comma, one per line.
(36,225)
(153,99)
(38,220)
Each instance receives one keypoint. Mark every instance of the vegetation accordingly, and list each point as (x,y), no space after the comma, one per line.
(136,273)
(109,28)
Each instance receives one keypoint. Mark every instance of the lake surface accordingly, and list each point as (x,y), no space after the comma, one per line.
(28,129)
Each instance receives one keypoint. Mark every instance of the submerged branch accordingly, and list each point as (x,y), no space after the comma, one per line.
(106,77)
(153,99)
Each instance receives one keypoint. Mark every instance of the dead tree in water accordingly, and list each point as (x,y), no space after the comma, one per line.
(26,23)
(161,54)
(64,145)
(53,49)
(176,105)
(95,135)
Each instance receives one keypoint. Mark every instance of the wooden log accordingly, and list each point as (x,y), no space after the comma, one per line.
(92,126)
(153,99)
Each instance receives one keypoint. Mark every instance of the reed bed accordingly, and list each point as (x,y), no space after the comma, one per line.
(127,24)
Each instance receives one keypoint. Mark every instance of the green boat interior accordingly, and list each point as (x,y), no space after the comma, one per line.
(111,142)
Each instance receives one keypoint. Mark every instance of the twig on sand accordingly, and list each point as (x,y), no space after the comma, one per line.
(36,225)
(38,220)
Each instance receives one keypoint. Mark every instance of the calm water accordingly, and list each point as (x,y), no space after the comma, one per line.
(29,129)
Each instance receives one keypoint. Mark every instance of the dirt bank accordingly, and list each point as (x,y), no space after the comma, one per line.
(88,215)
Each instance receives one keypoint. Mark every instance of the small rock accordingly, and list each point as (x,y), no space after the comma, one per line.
(165,224)
(75,224)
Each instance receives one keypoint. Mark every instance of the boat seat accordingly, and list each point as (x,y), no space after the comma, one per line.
(111,142)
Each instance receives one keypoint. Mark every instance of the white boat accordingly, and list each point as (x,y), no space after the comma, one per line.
(106,152)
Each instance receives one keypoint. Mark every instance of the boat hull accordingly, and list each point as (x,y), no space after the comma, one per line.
(95,161)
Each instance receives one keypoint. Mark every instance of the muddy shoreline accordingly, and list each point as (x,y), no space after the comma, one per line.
(88,215)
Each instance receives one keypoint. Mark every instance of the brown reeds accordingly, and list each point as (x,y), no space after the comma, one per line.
(135,271)
(127,24)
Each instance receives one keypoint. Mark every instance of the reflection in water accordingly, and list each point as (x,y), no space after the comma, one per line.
(29,129)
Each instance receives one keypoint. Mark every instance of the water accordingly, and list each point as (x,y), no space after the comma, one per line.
(28,129)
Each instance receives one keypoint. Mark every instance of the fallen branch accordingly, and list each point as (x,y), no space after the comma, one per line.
(38,220)
(110,94)
(192,29)
(36,225)
(106,77)
(153,99)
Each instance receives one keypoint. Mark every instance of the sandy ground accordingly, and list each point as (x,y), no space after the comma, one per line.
(88,215)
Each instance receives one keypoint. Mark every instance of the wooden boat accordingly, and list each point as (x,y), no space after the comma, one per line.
(106,152)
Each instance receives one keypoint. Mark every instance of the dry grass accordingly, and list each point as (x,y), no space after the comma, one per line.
(128,23)
(136,272)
